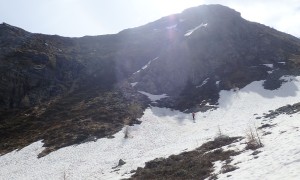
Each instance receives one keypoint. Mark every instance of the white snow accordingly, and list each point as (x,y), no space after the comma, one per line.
(203,83)
(217,167)
(172,26)
(164,132)
(280,156)
(211,105)
(133,84)
(144,67)
(288,78)
(153,97)
(270,72)
(269,65)
(189,32)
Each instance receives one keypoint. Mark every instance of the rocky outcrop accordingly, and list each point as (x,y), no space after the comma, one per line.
(209,53)
(61,90)
(288,109)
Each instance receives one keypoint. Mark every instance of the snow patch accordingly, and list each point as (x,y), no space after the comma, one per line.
(133,84)
(218,83)
(217,167)
(172,26)
(270,72)
(287,78)
(153,97)
(269,65)
(189,32)
(144,67)
(203,83)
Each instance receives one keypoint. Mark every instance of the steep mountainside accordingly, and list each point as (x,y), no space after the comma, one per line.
(71,90)
(213,48)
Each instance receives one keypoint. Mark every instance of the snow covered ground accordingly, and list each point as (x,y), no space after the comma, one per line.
(189,32)
(164,132)
(203,83)
(146,66)
(278,159)
(154,97)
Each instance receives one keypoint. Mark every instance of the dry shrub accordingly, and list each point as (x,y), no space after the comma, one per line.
(253,139)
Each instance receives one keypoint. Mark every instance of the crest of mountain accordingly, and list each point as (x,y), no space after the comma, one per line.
(72,90)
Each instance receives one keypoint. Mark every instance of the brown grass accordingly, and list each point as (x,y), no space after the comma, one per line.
(197,164)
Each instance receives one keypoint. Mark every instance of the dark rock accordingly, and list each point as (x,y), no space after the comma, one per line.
(132,171)
(256,152)
(121,162)
(110,137)
(115,170)
(266,126)
(154,163)
(288,109)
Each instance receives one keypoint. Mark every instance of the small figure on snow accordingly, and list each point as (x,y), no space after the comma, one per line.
(193,114)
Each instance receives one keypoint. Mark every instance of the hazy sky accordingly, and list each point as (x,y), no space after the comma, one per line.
(76,18)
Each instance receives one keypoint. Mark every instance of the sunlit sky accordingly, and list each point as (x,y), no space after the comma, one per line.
(75,18)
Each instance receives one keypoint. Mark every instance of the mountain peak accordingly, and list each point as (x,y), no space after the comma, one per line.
(213,8)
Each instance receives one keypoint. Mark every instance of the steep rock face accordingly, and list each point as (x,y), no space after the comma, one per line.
(63,90)
(32,68)
(213,48)
(70,90)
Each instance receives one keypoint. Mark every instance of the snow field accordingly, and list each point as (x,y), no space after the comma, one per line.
(164,132)
(278,159)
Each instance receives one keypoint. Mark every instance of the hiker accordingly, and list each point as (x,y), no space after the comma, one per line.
(193,114)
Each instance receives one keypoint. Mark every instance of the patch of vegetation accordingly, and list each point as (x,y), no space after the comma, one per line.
(228,168)
(84,115)
(253,139)
(288,109)
(197,164)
